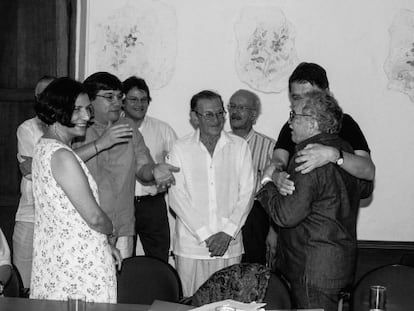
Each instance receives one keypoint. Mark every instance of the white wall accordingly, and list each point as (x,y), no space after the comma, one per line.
(350,39)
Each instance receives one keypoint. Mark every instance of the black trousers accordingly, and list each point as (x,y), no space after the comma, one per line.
(151,224)
(254,233)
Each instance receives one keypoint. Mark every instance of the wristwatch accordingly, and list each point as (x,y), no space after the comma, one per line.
(340,159)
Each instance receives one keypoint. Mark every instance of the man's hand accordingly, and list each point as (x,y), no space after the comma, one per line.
(283,184)
(26,166)
(116,254)
(271,243)
(314,156)
(114,135)
(163,175)
(218,244)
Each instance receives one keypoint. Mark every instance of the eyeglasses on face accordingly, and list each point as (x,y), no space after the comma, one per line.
(111,97)
(293,115)
(211,116)
(135,100)
(232,107)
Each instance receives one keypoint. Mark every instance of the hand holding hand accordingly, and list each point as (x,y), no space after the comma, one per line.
(163,175)
(218,244)
(26,166)
(314,156)
(116,134)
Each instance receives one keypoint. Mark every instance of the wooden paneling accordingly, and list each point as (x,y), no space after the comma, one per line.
(15,107)
(37,39)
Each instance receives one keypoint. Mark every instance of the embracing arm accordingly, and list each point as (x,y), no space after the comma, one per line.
(288,211)
(359,164)
(280,160)
(70,176)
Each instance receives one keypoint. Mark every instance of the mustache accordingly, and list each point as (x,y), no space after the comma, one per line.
(235,117)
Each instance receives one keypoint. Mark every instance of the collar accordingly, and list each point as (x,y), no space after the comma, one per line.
(322,138)
(248,136)
(225,138)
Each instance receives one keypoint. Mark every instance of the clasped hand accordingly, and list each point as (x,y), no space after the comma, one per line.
(218,244)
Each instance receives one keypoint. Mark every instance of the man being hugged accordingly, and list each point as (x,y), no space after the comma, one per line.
(317,238)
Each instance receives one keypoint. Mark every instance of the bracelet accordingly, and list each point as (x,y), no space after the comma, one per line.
(96,147)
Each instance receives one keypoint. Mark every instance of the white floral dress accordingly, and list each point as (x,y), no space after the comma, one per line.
(68,256)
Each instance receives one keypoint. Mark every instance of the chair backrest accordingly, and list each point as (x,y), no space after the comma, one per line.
(144,279)
(277,293)
(399,281)
(13,286)
(244,282)
(407,259)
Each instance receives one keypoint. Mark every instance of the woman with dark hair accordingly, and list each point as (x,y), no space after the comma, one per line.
(71,252)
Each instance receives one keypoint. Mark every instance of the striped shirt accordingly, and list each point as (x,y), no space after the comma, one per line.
(261,147)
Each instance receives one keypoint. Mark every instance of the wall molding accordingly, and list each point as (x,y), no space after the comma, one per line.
(387,245)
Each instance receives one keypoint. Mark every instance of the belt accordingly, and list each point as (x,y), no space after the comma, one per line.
(142,197)
(148,196)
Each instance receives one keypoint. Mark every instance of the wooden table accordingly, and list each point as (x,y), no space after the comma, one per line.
(25,304)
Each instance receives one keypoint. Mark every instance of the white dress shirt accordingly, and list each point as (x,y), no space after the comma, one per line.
(28,134)
(211,194)
(159,138)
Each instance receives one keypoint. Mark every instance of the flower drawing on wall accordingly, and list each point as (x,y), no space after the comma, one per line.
(265,54)
(399,66)
(119,46)
(136,40)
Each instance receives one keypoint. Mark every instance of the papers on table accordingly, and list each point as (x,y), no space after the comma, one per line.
(236,305)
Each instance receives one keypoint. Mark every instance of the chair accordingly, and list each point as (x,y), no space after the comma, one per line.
(244,282)
(399,281)
(277,294)
(144,279)
(14,285)
(407,259)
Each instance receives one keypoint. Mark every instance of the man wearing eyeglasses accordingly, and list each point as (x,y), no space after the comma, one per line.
(116,165)
(317,236)
(151,212)
(305,78)
(244,109)
(212,193)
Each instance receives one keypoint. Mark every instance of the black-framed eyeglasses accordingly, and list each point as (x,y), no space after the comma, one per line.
(232,107)
(211,116)
(135,100)
(111,97)
(293,115)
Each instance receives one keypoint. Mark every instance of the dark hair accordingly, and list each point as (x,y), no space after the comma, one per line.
(206,94)
(101,81)
(57,101)
(310,72)
(139,83)
(325,109)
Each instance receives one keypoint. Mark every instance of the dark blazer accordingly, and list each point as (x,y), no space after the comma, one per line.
(317,236)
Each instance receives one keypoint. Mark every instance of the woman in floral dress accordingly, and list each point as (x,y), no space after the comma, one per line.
(71,252)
